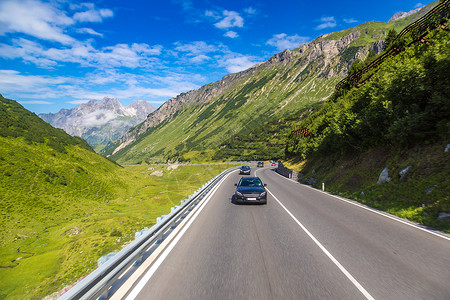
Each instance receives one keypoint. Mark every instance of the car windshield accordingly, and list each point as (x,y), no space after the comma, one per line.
(245,167)
(250,182)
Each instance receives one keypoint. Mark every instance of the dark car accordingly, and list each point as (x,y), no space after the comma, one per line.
(260,164)
(244,170)
(250,190)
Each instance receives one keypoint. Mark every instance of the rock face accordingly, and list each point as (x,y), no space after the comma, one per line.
(207,117)
(401,15)
(322,52)
(99,122)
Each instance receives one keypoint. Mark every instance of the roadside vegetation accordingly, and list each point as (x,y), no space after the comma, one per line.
(398,118)
(420,196)
(61,212)
(62,206)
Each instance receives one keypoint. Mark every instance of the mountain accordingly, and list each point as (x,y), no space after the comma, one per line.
(47,179)
(63,206)
(393,119)
(206,119)
(99,122)
(402,14)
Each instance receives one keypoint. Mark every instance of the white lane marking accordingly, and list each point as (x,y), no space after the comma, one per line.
(384,214)
(343,270)
(135,292)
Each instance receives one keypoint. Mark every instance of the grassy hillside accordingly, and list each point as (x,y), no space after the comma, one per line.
(62,206)
(420,197)
(269,93)
(398,118)
(206,126)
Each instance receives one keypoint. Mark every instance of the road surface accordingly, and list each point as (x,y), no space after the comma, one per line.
(304,244)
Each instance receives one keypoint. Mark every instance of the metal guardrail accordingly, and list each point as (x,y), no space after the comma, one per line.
(97,283)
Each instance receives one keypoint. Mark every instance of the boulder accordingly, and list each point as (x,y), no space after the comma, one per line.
(311,180)
(444,216)
(158,173)
(429,190)
(404,173)
(384,177)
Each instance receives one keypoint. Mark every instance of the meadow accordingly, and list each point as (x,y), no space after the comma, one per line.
(61,212)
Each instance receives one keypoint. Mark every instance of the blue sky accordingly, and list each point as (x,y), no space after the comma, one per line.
(60,53)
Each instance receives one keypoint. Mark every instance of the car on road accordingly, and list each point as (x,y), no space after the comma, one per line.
(260,164)
(250,190)
(244,170)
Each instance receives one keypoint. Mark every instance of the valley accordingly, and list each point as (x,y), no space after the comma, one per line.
(69,197)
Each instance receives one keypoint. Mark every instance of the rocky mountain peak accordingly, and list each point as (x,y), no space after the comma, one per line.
(321,51)
(140,108)
(283,58)
(111,104)
(99,122)
(401,15)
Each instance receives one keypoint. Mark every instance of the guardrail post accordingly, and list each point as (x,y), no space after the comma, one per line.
(323,186)
(138,261)
(104,295)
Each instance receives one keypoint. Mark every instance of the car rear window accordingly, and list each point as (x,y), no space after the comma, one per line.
(250,182)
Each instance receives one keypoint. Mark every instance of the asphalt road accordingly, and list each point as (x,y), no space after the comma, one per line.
(304,244)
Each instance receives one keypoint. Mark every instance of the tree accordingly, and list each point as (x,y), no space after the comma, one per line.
(390,37)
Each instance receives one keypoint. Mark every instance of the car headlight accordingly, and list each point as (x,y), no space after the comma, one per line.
(239,194)
(263,194)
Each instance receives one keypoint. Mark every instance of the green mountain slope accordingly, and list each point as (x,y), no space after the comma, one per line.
(209,119)
(47,178)
(62,206)
(397,117)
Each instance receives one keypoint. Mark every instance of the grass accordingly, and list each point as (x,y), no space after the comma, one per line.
(60,212)
(203,127)
(420,197)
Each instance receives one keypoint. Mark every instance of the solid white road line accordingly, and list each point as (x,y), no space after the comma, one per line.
(381,213)
(343,270)
(135,292)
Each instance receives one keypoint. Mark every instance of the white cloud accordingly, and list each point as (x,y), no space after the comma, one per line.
(13,81)
(156,102)
(235,62)
(96,86)
(200,58)
(231,19)
(89,31)
(34,102)
(231,34)
(351,20)
(97,118)
(93,15)
(250,11)
(327,22)
(185,4)
(120,55)
(283,41)
(78,102)
(212,14)
(195,48)
(34,18)
(418,5)
(46,21)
